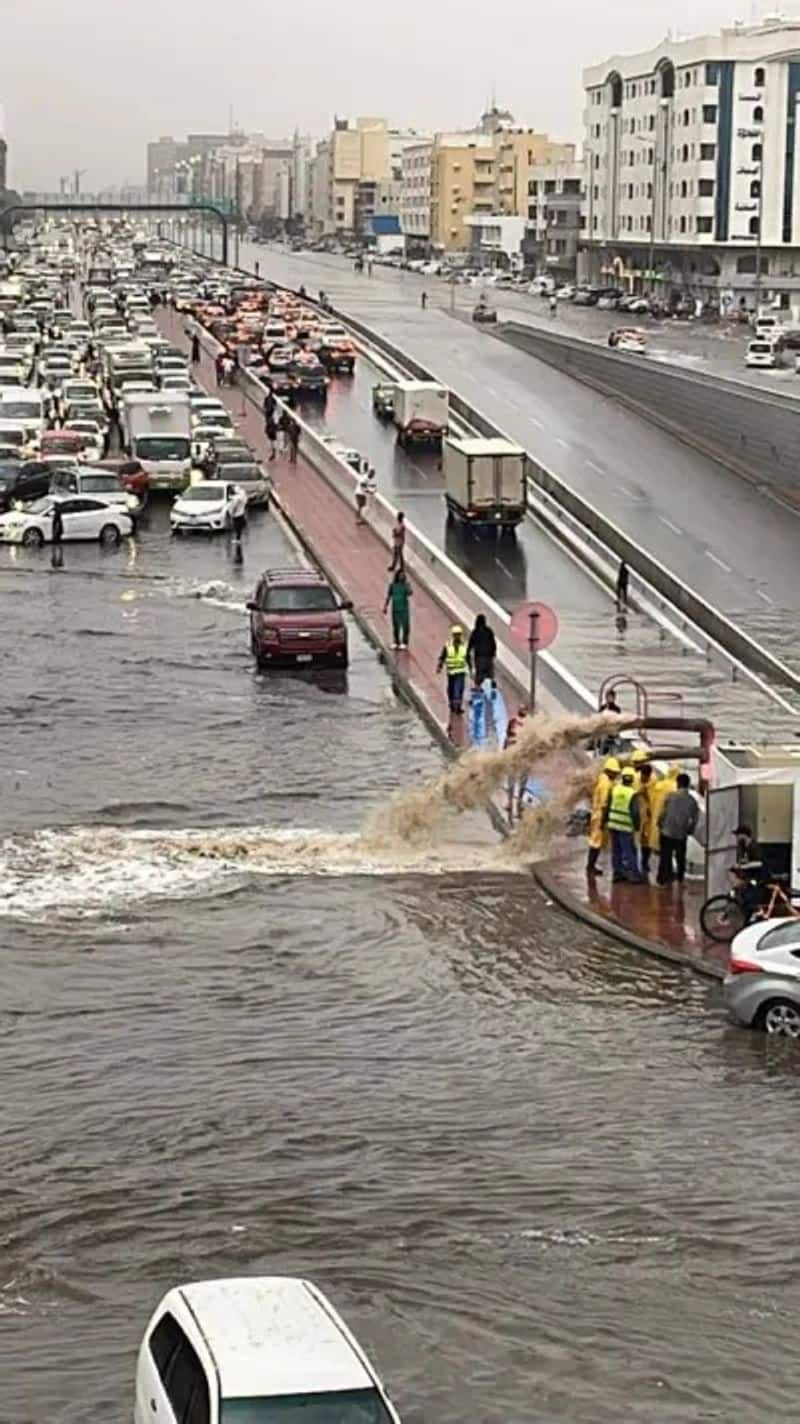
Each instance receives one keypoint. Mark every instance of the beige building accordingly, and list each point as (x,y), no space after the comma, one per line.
(462,179)
(518,150)
(350,156)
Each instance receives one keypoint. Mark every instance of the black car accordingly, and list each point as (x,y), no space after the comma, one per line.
(22,481)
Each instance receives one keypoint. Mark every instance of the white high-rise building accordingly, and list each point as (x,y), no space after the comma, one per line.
(692,154)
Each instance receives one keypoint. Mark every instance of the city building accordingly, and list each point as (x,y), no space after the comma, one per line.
(462,185)
(693,165)
(415,196)
(556,217)
(3,152)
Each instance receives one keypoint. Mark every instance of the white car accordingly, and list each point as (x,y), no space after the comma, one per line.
(254,1350)
(763,351)
(206,507)
(95,446)
(83,518)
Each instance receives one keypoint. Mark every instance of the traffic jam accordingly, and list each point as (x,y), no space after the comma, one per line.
(102,420)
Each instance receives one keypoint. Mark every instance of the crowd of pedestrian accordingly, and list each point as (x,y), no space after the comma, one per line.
(641,816)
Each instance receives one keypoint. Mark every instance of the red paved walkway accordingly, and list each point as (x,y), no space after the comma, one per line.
(354,556)
(665,916)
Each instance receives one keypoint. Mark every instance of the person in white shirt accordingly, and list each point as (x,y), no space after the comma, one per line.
(239,514)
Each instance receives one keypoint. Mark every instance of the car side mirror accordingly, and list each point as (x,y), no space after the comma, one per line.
(251,606)
(346,607)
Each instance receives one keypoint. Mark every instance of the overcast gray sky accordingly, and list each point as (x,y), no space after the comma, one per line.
(85,83)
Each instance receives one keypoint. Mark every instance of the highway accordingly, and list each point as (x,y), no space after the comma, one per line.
(734,546)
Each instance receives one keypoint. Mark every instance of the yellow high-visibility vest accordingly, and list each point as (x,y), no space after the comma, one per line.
(619,814)
(456,658)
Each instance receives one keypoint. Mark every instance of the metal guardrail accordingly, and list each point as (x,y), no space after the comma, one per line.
(690,604)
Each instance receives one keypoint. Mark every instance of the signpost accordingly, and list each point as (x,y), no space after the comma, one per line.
(535,626)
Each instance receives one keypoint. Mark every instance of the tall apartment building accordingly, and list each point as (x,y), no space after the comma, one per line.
(462,183)
(556,217)
(693,163)
(415,195)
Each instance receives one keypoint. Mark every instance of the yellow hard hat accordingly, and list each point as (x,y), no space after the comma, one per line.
(611,764)
(456,628)
(628,774)
(639,756)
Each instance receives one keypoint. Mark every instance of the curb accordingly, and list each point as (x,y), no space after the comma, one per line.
(547,882)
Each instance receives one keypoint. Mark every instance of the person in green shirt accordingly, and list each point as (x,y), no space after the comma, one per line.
(398,594)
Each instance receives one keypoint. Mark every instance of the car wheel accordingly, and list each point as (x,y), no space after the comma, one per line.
(109,536)
(33,538)
(780,1018)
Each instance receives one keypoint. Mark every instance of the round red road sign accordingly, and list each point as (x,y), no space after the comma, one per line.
(546,625)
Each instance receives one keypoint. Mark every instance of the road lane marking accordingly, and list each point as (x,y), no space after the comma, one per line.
(623,489)
(598,469)
(676,528)
(718,562)
(561,442)
(537,423)
(504,567)
(765,596)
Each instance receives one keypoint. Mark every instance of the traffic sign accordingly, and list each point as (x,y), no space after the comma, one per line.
(545,624)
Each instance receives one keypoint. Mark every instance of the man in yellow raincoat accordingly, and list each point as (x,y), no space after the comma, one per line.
(661,789)
(598,834)
(647,834)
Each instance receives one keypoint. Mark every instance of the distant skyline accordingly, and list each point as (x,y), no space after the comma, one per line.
(96,88)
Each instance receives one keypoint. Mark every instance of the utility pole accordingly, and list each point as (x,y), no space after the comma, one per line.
(77,175)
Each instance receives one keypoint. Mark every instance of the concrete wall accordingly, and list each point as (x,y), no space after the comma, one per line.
(755,433)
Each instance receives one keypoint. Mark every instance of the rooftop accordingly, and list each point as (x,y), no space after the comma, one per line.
(272,1335)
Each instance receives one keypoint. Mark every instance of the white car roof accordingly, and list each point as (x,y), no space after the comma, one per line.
(274,1335)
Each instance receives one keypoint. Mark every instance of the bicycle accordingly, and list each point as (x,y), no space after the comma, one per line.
(723,916)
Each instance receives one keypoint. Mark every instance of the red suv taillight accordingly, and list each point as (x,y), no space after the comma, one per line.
(745,966)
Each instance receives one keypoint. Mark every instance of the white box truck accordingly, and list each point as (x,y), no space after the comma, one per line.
(420,412)
(484,482)
(156,430)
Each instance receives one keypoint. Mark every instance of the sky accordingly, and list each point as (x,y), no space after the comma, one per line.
(85,83)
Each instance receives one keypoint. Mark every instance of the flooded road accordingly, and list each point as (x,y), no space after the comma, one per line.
(539,1176)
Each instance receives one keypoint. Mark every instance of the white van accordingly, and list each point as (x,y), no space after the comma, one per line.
(25,407)
(762,351)
(254,1351)
(768,324)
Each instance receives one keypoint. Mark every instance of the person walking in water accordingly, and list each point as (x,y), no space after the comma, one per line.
(623,578)
(453,657)
(423,301)
(398,594)
(195,348)
(57,536)
(482,650)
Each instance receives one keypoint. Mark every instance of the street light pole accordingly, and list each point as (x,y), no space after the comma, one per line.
(760,222)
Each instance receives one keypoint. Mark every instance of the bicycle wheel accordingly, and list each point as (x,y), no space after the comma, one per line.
(721,918)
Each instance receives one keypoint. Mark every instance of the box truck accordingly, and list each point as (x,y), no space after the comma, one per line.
(485,482)
(156,430)
(420,412)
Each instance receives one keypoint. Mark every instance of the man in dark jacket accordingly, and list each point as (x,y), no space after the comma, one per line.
(481,650)
(676,823)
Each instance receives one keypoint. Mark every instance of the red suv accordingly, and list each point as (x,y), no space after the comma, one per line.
(295,617)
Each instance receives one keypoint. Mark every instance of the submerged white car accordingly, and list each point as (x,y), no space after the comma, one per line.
(83,518)
(206,507)
(258,1350)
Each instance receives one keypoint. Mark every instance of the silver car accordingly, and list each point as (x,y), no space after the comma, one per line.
(762,986)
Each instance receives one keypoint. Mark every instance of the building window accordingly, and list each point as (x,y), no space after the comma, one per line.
(630,191)
(684,188)
(685,153)
(758,152)
(630,224)
(596,191)
(758,78)
(649,190)
(754,225)
(758,114)
(686,118)
(705,188)
(705,225)
(708,152)
(533,212)
(755,189)
(712,75)
(550,185)
(687,79)
(709,113)
(683,224)
(594,222)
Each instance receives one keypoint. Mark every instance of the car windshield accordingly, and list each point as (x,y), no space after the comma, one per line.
(40,506)
(781,937)
(242,472)
(298,598)
(162,447)
(346,1406)
(207,493)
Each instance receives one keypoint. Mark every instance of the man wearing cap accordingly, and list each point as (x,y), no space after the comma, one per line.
(622,817)
(598,835)
(453,657)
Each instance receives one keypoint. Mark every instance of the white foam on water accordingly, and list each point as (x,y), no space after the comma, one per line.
(90,871)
